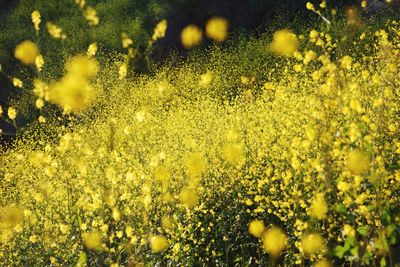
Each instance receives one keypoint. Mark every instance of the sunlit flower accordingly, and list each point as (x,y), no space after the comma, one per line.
(217,29)
(284,43)
(26,52)
(158,243)
(256,228)
(36,19)
(55,31)
(319,207)
(274,241)
(92,49)
(191,36)
(91,16)
(12,113)
(159,30)
(312,243)
(92,240)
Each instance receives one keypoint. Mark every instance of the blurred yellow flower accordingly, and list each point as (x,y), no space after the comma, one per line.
(10,217)
(217,29)
(233,153)
(195,165)
(312,243)
(256,228)
(123,71)
(26,52)
(55,31)
(158,243)
(160,30)
(191,36)
(319,207)
(91,16)
(92,240)
(125,40)
(274,241)
(82,66)
(357,162)
(188,197)
(72,93)
(284,43)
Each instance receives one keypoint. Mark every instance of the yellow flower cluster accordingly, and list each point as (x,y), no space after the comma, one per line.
(235,157)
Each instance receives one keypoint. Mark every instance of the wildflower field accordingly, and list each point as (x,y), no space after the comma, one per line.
(280,148)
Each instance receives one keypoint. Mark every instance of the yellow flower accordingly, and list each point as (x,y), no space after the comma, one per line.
(39,62)
(92,240)
(80,3)
(11,217)
(40,89)
(348,230)
(26,52)
(357,162)
(126,41)
(17,83)
(159,30)
(188,197)
(195,165)
(42,119)
(205,79)
(39,103)
(82,66)
(158,243)
(217,29)
(274,241)
(312,243)
(319,207)
(161,173)
(12,113)
(91,16)
(123,71)
(36,19)
(72,93)
(310,6)
(55,31)
(346,62)
(284,43)
(256,228)
(92,49)
(1,110)
(233,153)
(191,36)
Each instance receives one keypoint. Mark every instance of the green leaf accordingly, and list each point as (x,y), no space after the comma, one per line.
(340,251)
(354,251)
(382,263)
(363,230)
(340,208)
(82,259)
